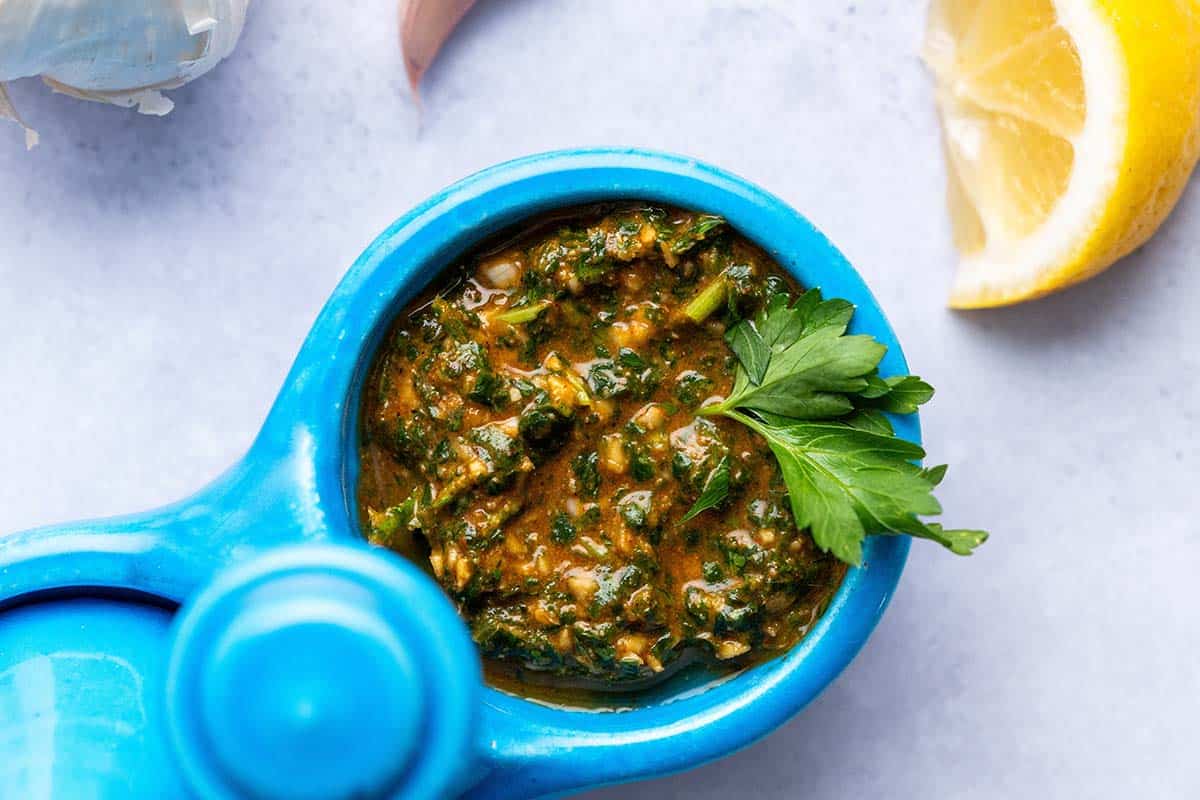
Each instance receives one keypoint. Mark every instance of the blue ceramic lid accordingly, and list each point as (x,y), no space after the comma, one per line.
(322,671)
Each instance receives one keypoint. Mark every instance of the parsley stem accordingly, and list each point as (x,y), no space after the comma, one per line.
(524,314)
(750,422)
(707,300)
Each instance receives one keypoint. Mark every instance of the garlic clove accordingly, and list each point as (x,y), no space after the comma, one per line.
(425,27)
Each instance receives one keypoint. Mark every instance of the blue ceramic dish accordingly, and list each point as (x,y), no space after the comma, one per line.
(233,697)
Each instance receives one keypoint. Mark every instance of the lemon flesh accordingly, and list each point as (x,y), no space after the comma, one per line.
(1070,129)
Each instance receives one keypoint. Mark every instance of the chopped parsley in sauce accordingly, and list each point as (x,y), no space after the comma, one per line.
(530,433)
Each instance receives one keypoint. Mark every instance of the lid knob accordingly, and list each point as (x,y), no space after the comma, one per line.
(322,671)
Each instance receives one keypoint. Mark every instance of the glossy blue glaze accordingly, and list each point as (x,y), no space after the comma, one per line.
(320,671)
(81,711)
(297,484)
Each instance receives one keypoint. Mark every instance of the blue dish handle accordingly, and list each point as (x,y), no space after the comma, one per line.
(171,551)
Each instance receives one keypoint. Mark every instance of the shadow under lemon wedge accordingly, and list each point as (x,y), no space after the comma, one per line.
(1070,130)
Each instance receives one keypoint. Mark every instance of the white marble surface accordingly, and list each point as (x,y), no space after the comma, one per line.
(157,276)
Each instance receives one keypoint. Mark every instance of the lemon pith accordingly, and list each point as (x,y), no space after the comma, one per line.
(1070,127)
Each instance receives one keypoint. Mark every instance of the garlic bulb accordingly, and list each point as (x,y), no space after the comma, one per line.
(124,52)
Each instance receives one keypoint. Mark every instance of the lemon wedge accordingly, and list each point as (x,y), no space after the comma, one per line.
(1070,129)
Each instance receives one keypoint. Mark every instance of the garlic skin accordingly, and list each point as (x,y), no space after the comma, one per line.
(123,52)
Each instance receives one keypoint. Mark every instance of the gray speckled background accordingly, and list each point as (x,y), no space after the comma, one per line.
(157,277)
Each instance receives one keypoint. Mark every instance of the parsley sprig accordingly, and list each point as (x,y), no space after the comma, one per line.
(813,392)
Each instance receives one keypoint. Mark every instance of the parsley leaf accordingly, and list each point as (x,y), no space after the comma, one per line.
(814,393)
(692,231)
(716,489)
(871,421)
(752,352)
(812,369)
(782,321)
(845,482)
(902,394)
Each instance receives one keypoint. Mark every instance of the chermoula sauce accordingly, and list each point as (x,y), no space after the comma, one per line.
(529,434)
